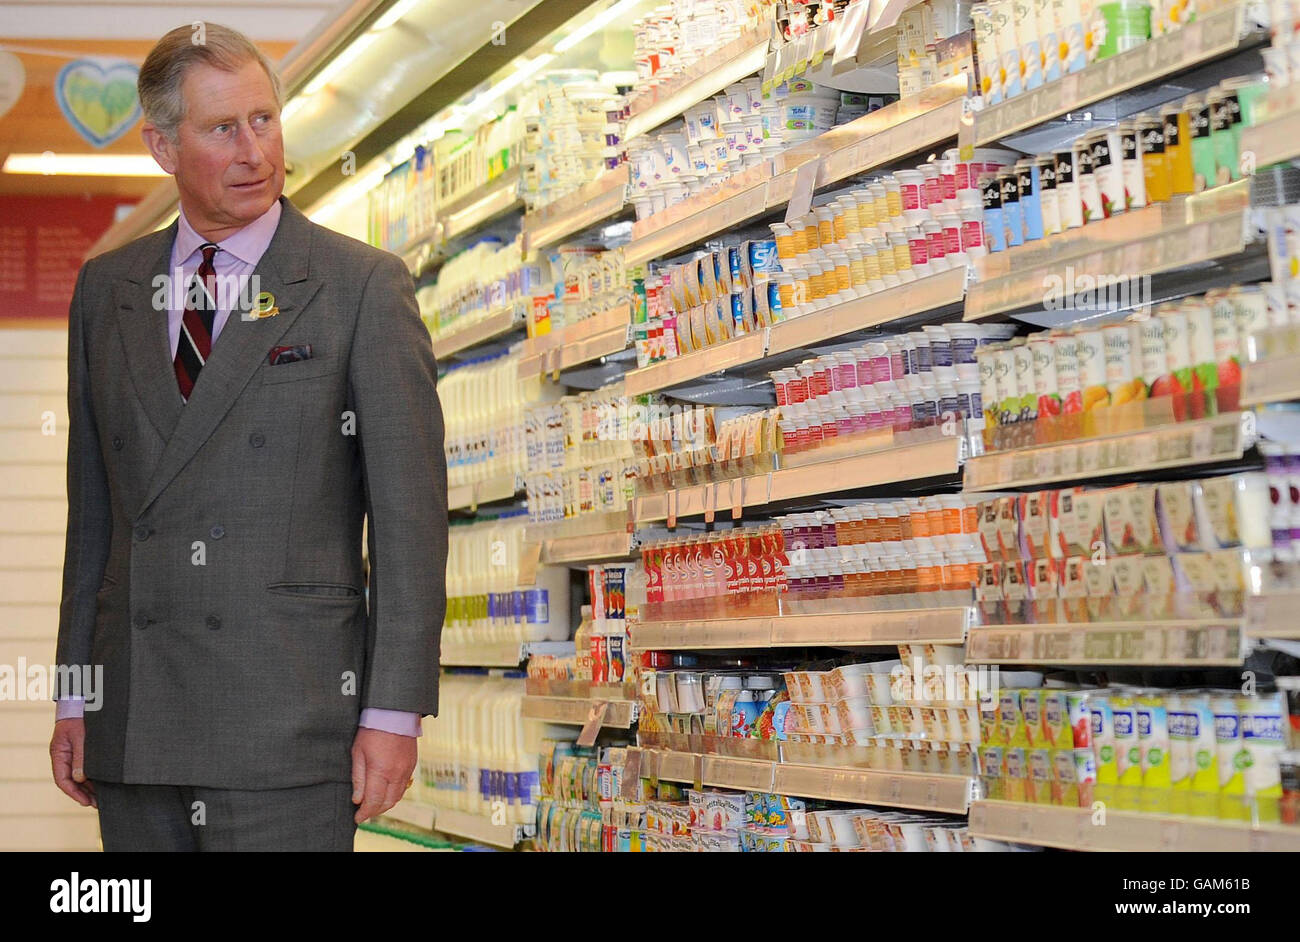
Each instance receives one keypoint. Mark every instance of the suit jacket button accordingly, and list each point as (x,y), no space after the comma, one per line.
(217,532)
(142,533)
(117,442)
(213,622)
(257,439)
(141,620)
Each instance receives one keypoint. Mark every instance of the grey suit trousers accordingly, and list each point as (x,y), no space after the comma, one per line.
(180,818)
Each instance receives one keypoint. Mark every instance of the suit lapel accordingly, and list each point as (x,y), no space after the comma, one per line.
(242,345)
(143,326)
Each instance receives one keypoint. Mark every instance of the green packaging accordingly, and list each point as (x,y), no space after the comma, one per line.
(1204,166)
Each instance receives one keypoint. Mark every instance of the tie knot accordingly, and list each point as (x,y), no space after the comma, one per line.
(209,249)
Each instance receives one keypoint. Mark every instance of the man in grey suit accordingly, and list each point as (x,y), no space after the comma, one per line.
(222,458)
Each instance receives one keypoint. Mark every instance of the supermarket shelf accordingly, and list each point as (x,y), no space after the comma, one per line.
(491,327)
(598,201)
(1275,379)
(1210,37)
(1077,829)
(620,714)
(465,214)
(1116,254)
(1182,444)
(415,813)
(742,57)
(498,653)
(917,790)
(587,539)
(477,828)
(875,140)
(937,457)
(1273,616)
(942,290)
(1183,643)
(1276,138)
(747,348)
(811,629)
(470,496)
(574,344)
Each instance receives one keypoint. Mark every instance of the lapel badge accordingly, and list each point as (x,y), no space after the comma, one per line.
(264,306)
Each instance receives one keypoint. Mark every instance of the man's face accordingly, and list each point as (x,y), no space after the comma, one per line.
(228,158)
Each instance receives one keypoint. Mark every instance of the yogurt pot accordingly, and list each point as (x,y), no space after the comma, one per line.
(849,680)
(854,713)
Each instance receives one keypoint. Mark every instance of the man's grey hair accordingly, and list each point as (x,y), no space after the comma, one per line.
(221,47)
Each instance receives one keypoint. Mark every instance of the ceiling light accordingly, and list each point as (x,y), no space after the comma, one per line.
(83,165)
(394,13)
(339,63)
(595,23)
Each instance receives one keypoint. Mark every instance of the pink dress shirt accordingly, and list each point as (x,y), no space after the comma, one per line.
(238,256)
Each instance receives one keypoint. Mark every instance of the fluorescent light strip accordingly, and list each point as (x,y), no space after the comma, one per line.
(394,13)
(336,66)
(599,21)
(83,165)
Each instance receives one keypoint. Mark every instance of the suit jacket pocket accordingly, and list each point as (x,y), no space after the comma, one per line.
(316,590)
(300,369)
(108,585)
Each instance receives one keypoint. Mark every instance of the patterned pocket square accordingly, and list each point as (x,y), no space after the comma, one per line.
(281,355)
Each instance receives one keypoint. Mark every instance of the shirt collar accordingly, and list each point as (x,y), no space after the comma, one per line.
(248,245)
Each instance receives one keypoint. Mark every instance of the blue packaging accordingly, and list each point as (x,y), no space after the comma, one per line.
(739,325)
(1013,223)
(762,256)
(993,232)
(1030,209)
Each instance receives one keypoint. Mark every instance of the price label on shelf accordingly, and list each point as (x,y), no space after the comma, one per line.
(1171,835)
(932,794)
(1067,461)
(895,789)
(1143,453)
(1202,443)
(805,181)
(1089,457)
(1045,462)
(595,719)
(1192,38)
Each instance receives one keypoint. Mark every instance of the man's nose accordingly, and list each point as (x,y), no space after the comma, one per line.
(249,149)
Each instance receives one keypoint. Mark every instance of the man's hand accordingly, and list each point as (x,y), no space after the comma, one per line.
(67,756)
(382,764)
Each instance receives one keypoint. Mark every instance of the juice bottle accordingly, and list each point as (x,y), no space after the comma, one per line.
(1178,149)
(1155,165)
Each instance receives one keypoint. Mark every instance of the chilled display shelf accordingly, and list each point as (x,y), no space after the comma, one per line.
(742,57)
(465,214)
(598,201)
(477,828)
(1201,441)
(1181,643)
(1275,616)
(597,336)
(494,325)
(873,141)
(1083,829)
(883,626)
(916,790)
(1209,37)
(934,293)
(942,290)
(1276,138)
(499,653)
(1109,260)
(619,714)
(586,539)
(415,813)
(747,348)
(470,496)
(935,458)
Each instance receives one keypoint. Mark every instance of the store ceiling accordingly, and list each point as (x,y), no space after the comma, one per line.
(46,36)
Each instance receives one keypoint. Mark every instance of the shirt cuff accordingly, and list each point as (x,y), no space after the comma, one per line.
(70,708)
(391,721)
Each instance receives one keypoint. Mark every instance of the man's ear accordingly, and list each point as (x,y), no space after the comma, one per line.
(163,150)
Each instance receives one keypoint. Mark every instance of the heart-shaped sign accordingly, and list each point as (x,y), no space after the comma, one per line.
(98,98)
(12,79)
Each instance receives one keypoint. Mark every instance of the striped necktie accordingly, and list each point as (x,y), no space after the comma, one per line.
(196,325)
